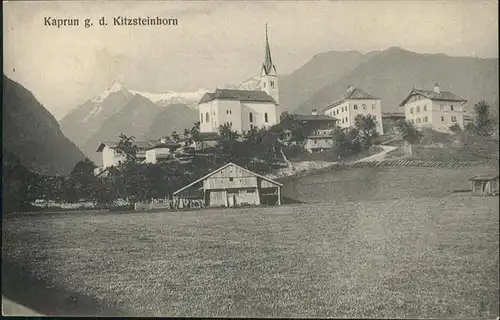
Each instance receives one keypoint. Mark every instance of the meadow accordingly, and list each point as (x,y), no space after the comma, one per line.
(369,242)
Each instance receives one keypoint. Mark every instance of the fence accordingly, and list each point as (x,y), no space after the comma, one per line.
(395,162)
(174,204)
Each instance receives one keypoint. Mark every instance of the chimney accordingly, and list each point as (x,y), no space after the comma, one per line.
(436,87)
(314,112)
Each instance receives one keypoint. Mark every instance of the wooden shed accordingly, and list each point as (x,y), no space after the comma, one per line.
(232,185)
(485,184)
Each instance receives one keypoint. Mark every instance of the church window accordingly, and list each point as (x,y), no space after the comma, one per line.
(272,84)
(250,116)
(207,117)
(442,118)
(265,117)
(201,118)
(355,107)
(451,107)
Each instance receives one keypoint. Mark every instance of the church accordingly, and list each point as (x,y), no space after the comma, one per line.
(243,109)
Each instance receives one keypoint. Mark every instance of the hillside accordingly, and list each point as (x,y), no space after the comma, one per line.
(175,116)
(323,69)
(391,74)
(133,120)
(33,135)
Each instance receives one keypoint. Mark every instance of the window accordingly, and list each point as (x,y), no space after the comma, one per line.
(364,106)
(355,107)
(207,117)
(201,118)
(342,120)
(315,141)
(272,84)
(264,84)
(418,109)
(425,107)
(345,119)
(337,111)
(424,119)
(442,118)
(375,118)
(418,120)
(411,110)
(231,179)
(250,116)
(453,119)
(373,106)
(451,107)
(265,117)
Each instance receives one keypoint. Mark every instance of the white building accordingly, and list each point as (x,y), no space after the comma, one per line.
(355,102)
(243,109)
(110,158)
(434,109)
(162,151)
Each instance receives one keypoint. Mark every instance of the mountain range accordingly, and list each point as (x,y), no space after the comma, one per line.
(32,135)
(388,74)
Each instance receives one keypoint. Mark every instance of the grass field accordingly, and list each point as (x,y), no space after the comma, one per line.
(400,250)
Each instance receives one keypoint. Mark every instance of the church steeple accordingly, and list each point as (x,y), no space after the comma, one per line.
(269,76)
(268,61)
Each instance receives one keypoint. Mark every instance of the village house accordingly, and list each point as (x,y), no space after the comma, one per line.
(232,185)
(318,129)
(356,102)
(162,151)
(434,109)
(111,158)
(243,109)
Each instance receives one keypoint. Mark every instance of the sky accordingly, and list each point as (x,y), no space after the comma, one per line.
(220,43)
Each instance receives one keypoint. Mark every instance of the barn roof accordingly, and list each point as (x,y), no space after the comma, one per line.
(432,95)
(241,95)
(485,177)
(222,168)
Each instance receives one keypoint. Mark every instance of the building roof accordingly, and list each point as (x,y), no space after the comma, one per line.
(432,95)
(485,177)
(167,144)
(208,136)
(241,95)
(319,136)
(304,118)
(142,145)
(222,168)
(352,93)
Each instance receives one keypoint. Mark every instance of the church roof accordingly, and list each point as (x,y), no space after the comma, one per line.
(241,95)
(352,93)
(268,61)
(430,94)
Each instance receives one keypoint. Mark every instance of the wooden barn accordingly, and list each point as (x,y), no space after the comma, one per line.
(231,186)
(485,184)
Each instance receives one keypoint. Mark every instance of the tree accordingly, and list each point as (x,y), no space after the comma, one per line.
(127,148)
(483,123)
(367,128)
(195,131)
(175,136)
(81,182)
(408,133)
(285,115)
(455,128)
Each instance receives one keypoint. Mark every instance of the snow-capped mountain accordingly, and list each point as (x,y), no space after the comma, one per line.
(118,109)
(171,97)
(252,83)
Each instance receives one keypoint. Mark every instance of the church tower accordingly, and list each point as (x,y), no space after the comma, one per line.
(268,76)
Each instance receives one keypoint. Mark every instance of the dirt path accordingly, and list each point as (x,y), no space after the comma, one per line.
(379,156)
(10,308)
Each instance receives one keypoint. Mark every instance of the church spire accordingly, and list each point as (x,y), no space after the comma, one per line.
(268,62)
